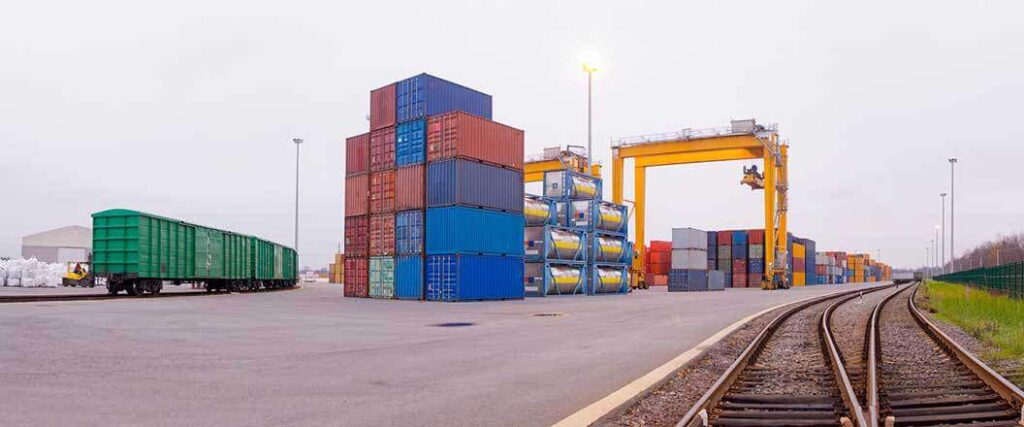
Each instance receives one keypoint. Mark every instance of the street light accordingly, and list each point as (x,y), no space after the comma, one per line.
(943,196)
(298,142)
(590,66)
(935,248)
(952,223)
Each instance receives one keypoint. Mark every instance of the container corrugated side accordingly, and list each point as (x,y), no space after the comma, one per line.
(382,107)
(684,280)
(474,277)
(467,136)
(468,183)
(689,259)
(724,238)
(409,277)
(411,142)
(382,234)
(357,277)
(357,154)
(409,232)
(357,195)
(382,192)
(755,237)
(382,149)
(409,181)
(457,229)
(425,95)
(689,238)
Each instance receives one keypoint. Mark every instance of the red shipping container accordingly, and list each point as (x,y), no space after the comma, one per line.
(756,237)
(382,234)
(463,135)
(382,107)
(357,235)
(739,280)
(799,265)
(357,154)
(382,192)
(357,277)
(724,237)
(660,268)
(659,280)
(661,257)
(357,195)
(821,270)
(661,246)
(382,149)
(754,281)
(739,266)
(409,187)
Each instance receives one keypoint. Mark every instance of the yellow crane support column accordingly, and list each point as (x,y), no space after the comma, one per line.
(639,211)
(617,168)
(769,218)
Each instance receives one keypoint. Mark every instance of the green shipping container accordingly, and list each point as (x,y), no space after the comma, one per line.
(382,277)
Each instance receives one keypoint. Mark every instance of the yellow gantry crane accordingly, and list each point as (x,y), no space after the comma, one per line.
(743,140)
(573,158)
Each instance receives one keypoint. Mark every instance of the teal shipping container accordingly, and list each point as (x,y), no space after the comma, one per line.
(382,277)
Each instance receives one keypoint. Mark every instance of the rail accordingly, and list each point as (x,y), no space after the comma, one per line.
(849,395)
(699,415)
(689,133)
(1006,390)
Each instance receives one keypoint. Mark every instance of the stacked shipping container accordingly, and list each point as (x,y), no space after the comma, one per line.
(434,197)
(658,262)
(690,262)
(555,255)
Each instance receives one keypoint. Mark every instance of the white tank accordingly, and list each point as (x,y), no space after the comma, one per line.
(609,279)
(610,217)
(608,249)
(536,211)
(564,244)
(562,279)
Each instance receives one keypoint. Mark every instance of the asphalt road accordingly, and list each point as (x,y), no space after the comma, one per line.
(312,357)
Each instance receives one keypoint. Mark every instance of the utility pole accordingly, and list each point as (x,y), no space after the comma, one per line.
(589,69)
(952,212)
(943,196)
(298,142)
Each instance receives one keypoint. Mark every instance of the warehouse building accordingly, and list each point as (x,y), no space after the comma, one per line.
(72,243)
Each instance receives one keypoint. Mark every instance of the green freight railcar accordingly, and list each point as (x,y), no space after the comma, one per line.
(138,252)
(271,263)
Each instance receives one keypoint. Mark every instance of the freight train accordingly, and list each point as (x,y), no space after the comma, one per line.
(138,253)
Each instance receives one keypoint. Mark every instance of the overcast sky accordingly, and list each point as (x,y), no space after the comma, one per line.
(187,108)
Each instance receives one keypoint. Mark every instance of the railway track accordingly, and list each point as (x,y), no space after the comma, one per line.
(791,374)
(95,297)
(918,376)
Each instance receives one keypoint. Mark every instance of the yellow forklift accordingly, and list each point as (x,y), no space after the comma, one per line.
(78,275)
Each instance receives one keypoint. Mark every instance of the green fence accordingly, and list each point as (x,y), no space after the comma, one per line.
(1006,278)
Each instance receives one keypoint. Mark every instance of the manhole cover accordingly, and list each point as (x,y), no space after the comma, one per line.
(453,324)
(547,314)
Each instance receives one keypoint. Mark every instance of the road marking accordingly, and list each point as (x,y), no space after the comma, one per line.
(622,396)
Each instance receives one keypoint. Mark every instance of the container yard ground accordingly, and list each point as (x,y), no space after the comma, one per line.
(311,357)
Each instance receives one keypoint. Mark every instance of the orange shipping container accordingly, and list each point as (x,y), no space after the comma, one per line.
(382,149)
(409,187)
(382,192)
(357,195)
(463,135)
(382,234)
(382,107)
(357,154)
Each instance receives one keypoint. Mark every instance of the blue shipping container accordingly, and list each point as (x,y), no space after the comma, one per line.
(409,277)
(739,251)
(687,280)
(411,142)
(457,229)
(424,95)
(739,238)
(755,266)
(468,183)
(409,232)
(474,277)
(728,279)
(712,239)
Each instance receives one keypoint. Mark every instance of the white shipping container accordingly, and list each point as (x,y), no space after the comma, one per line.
(689,238)
(689,259)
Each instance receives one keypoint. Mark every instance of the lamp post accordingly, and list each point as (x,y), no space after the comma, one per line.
(943,196)
(590,67)
(935,248)
(298,142)
(952,214)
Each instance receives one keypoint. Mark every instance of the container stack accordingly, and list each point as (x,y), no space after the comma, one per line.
(689,262)
(357,216)
(712,250)
(336,270)
(840,262)
(555,256)
(739,258)
(579,206)
(434,197)
(659,262)
(755,258)
(724,262)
